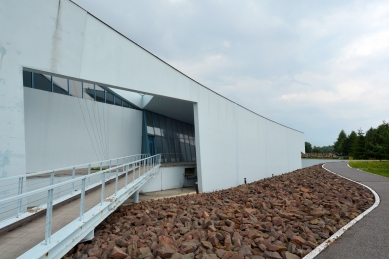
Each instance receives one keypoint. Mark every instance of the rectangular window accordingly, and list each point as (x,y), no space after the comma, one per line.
(60,85)
(169,128)
(100,94)
(177,149)
(109,97)
(157,128)
(163,125)
(183,150)
(165,147)
(149,121)
(118,101)
(75,88)
(172,150)
(174,129)
(27,80)
(89,91)
(42,82)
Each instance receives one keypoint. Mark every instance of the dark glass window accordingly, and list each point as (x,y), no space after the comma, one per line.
(149,121)
(174,129)
(42,82)
(172,150)
(174,139)
(100,94)
(162,125)
(89,91)
(165,148)
(27,80)
(109,97)
(178,149)
(118,101)
(157,128)
(169,128)
(72,87)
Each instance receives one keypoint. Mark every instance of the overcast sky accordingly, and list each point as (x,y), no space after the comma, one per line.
(316,66)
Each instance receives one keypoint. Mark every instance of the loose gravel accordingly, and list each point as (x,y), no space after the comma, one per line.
(282,217)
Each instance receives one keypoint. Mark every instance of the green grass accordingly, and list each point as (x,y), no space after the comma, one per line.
(374,167)
(98,168)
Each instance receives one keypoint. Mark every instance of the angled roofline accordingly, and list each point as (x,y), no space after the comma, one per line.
(177,69)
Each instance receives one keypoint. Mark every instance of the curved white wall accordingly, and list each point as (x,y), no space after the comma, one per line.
(58,37)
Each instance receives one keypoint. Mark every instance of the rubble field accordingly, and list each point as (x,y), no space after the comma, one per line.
(282,217)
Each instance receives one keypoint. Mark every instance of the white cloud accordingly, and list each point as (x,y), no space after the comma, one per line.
(318,67)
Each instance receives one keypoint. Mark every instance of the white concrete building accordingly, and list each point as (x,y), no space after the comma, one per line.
(73,90)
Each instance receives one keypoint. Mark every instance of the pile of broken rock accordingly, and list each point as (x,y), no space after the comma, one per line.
(282,217)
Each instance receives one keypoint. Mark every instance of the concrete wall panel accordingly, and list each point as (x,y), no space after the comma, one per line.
(64,131)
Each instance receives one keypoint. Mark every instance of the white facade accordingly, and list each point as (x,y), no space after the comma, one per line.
(59,38)
(62,130)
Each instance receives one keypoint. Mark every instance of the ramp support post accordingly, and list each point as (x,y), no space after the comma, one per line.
(136,196)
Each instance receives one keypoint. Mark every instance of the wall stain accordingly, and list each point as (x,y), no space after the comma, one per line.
(5,161)
(55,52)
(3,51)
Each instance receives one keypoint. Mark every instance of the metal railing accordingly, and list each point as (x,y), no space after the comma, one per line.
(14,185)
(16,206)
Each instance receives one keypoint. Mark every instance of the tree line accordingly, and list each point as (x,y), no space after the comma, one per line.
(317,149)
(374,144)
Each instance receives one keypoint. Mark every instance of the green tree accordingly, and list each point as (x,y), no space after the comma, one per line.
(316,150)
(327,149)
(349,143)
(339,143)
(308,147)
(358,147)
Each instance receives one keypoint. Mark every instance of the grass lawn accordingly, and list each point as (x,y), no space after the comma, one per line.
(374,167)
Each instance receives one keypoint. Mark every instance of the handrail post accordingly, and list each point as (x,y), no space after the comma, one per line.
(73,176)
(147,163)
(89,168)
(49,216)
(20,191)
(117,177)
(52,177)
(110,163)
(133,171)
(125,185)
(82,202)
(102,187)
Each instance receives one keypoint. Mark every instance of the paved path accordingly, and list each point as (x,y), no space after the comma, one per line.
(368,238)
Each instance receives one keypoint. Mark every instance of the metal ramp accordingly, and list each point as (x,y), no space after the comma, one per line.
(71,208)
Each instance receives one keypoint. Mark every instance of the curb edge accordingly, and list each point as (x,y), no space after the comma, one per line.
(341,231)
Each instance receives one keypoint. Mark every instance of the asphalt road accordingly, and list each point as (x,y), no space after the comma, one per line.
(368,238)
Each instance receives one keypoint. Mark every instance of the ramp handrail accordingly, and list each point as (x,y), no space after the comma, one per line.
(71,167)
(143,165)
(137,167)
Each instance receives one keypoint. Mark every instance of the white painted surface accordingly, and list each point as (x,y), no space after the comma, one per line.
(168,178)
(232,142)
(63,130)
